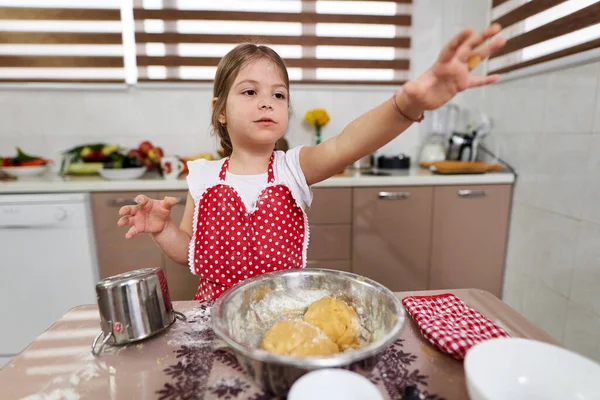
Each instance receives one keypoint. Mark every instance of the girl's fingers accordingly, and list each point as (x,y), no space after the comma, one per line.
(142,200)
(486,34)
(168,202)
(489,49)
(125,221)
(131,232)
(466,49)
(128,210)
(475,81)
(450,49)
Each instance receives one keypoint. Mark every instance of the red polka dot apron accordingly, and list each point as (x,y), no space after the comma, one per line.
(231,244)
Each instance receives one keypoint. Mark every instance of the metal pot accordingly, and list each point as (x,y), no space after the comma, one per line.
(133,306)
(243,313)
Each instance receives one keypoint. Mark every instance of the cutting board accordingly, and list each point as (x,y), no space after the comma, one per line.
(461,167)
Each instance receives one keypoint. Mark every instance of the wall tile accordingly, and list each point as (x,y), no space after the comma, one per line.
(591,195)
(522,240)
(555,243)
(517,107)
(545,308)
(582,331)
(585,287)
(561,178)
(571,100)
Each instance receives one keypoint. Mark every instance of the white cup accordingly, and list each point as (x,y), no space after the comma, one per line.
(333,384)
(171,167)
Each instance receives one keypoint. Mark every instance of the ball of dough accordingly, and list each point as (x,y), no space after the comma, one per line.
(337,319)
(297,338)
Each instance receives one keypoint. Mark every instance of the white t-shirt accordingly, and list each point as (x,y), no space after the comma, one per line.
(286,168)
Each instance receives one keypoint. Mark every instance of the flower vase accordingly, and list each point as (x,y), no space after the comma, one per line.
(318,134)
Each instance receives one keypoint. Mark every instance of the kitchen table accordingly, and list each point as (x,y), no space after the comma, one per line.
(188,362)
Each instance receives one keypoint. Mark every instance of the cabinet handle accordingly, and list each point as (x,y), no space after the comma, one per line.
(394,195)
(472,193)
(120,202)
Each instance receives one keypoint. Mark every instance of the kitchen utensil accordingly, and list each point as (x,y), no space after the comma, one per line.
(365,163)
(443,122)
(171,167)
(433,149)
(133,306)
(122,174)
(524,369)
(401,161)
(277,295)
(333,384)
(463,144)
(461,167)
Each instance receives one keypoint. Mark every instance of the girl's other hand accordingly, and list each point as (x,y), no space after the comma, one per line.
(148,216)
(450,74)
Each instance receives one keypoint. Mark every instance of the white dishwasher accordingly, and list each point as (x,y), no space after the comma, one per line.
(48,261)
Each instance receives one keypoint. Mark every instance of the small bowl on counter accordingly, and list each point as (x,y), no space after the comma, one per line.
(25,171)
(242,315)
(122,174)
(333,384)
(524,369)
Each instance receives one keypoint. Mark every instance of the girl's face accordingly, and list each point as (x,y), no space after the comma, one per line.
(256,112)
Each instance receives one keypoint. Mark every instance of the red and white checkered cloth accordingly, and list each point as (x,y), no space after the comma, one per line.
(449,324)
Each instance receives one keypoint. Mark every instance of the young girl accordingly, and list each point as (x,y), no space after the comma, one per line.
(245,214)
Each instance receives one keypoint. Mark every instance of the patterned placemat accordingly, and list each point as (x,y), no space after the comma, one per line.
(207,369)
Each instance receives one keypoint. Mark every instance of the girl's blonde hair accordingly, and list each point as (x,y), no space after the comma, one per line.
(227,71)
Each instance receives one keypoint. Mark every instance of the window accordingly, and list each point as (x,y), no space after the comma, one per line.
(74,41)
(542,30)
(322,41)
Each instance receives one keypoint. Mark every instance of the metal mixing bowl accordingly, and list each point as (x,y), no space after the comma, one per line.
(242,315)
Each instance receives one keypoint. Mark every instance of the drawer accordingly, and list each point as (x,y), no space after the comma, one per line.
(331,206)
(330,242)
(392,235)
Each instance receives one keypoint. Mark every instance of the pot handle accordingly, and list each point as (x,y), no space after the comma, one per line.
(106,339)
(179,316)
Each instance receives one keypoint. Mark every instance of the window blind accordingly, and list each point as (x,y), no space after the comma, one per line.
(76,41)
(349,42)
(543,30)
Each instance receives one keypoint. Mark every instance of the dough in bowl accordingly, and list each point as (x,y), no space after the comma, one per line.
(337,319)
(297,338)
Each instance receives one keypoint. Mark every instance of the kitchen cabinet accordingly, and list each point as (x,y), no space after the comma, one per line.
(330,219)
(182,283)
(115,253)
(470,226)
(392,235)
(407,238)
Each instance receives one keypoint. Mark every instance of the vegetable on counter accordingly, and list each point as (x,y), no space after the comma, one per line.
(23,160)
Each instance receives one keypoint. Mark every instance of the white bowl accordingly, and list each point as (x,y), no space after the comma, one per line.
(25,171)
(333,384)
(121,174)
(514,368)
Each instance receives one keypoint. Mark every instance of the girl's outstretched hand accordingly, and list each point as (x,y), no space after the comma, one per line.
(451,72)
(149,216)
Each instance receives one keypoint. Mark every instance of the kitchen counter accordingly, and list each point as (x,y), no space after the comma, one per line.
(52,183)
(187,361)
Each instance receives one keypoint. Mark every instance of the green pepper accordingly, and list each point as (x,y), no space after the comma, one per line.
(21,156)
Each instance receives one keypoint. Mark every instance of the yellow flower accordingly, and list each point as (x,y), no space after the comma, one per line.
(310,117)
(317,117)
